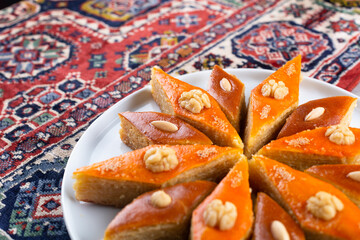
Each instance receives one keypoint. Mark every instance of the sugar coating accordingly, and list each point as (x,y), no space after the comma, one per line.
(298,142)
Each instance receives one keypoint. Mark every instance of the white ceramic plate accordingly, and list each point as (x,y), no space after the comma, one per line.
(101,141)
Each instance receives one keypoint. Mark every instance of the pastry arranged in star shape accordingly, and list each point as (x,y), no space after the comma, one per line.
(164,181)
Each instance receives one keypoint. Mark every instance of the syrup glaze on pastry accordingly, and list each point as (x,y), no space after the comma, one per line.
(322,210)
(341,176)
(195,106)
(267,211)
(142,220)
(336,110)
(271,102)
(313,147)
(233,193)
(118,180)
(229,92)
(138,130)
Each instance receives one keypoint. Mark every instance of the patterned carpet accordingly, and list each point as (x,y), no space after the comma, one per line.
(63,63)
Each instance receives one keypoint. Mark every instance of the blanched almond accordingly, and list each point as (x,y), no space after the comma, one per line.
(354,175)
(165,126)
(225,85)
(315,113)
(160,199)
(278,231)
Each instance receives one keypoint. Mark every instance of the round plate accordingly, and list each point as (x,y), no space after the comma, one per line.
(101,141)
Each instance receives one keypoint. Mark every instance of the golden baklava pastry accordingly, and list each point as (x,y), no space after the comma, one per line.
(273,222)
(229,92)
(159,214)
(195,106)
(325,145)
(227,212)
(322,210)
(270,103)
(140,129)
(344,177)
(118,180)
(319,113)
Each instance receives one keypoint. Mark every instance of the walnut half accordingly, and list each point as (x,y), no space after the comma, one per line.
(340,134)
(160,159)
(194,100)
(220,215)
(277,90)
(324,205)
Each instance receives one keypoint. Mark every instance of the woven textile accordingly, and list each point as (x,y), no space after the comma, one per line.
(63,63)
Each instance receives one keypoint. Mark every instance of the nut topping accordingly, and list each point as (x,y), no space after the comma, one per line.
(277,90)
(340,134)
(160,199)
(194,100)
(165,126)
(324,205)
(225,85)
(354,175)
(266,90)
(220,215)
(315,113)
(278,231)
(160,159)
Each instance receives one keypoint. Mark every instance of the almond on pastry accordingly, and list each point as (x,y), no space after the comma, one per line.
(345,177)
(140,129)
(319,113)
(229,92)
(195,106)
(143,218)
(273,222)
(322,210)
